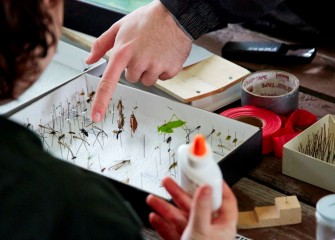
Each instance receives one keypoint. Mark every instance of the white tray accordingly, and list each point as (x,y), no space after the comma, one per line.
(150,153)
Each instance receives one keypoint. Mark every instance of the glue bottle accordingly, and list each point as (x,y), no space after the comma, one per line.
(197,167)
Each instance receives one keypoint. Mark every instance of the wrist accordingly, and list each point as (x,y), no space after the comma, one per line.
(171,22)
(173,18)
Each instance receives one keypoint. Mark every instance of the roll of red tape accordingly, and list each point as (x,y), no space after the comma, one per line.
(259,117)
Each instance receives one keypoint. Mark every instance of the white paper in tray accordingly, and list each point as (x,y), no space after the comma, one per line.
(58,119)
(67,64)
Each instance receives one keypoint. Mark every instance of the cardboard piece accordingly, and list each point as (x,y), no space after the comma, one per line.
(305,167)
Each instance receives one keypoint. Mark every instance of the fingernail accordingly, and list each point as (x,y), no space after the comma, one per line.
(96,117)
(207,190)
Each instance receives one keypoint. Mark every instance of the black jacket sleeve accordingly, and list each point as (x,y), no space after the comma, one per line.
(197,17)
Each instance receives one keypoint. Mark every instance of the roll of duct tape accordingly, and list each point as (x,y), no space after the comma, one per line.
(277,91)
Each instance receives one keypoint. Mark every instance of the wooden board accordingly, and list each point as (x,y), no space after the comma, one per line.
(205,78)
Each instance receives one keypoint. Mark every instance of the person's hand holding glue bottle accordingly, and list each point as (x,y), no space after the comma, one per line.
(205,207)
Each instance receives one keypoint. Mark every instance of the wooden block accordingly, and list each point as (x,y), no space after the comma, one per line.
(286,211)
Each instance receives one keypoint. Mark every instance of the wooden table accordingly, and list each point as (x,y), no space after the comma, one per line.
(266,181)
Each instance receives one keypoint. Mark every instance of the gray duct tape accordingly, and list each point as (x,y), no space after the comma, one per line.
(277,91)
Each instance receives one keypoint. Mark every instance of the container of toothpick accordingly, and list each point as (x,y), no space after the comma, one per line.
(310,156)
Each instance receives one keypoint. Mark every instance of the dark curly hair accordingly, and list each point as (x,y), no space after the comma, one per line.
(25,25)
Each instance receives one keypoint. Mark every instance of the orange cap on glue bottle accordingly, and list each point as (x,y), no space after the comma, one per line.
(197,167)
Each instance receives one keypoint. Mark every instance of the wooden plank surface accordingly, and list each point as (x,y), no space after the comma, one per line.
(266,181)
(250,194)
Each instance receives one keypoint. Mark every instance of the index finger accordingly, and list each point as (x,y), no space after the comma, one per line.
(116,64)
(103,44)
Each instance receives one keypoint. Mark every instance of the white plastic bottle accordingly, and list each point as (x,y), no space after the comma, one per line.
(197,167)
